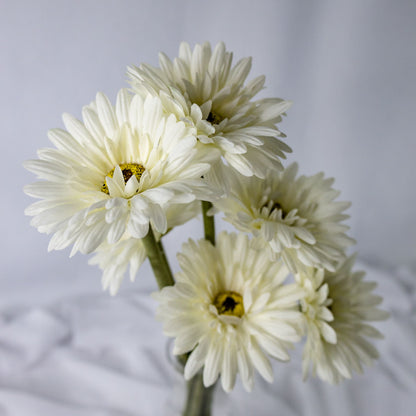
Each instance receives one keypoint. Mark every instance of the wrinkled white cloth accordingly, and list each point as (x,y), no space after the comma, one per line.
(98,355)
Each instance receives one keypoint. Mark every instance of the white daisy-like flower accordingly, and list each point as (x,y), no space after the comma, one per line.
(116,172)
(298,217)
(337,308)
(202,87)
(230,309)
(130,253)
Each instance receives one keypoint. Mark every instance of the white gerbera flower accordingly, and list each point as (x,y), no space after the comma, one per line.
(130,253)
(337,307)
(230,309)
(202,87)
(298,217)
(116,172)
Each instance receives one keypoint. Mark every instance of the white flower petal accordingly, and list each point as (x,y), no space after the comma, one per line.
(106,115)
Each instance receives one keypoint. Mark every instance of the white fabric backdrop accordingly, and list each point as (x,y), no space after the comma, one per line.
(349,67)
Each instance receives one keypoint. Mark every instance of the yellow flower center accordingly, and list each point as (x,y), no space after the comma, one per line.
(128,170)
(229,303)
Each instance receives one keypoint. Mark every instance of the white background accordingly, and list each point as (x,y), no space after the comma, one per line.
(348,66)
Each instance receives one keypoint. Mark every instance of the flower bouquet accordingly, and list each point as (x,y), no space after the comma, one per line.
(190,137)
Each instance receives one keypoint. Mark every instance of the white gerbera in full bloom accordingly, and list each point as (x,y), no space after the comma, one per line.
(130,253)
(230,310)
(202,87)
(117,171)
(337,307)
(297,217)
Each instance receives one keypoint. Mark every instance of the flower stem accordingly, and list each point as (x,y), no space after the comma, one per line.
(158,260)
(199,398)
(209,222)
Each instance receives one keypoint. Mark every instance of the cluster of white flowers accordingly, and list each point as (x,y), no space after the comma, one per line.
(192,131)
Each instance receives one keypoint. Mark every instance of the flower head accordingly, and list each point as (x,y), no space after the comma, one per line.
(336,308)
(116,172)
(230,309)
(297,217)
(202,87)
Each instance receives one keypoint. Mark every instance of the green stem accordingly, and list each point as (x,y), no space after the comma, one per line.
(161,269)
(158,260)
(209,222)
(199,399)
(165,262)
